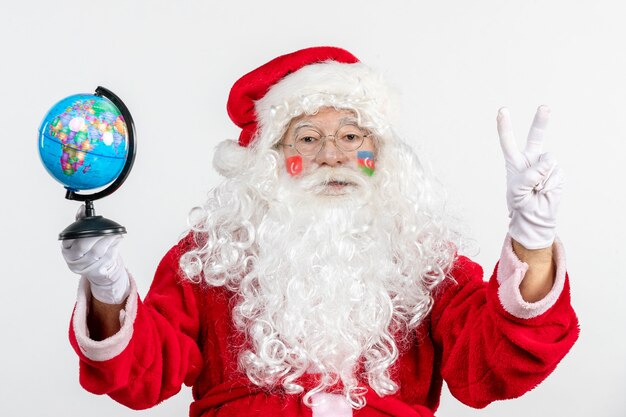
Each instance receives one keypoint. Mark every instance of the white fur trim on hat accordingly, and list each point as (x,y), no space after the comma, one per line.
(326,84)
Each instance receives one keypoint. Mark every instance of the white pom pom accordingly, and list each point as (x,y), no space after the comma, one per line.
(230,158)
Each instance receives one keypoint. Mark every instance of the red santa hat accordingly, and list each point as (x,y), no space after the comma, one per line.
(263,102)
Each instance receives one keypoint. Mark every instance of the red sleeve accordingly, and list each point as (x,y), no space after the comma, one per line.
(162,353)
(487,353)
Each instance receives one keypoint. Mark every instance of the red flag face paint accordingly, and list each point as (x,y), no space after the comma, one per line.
(366,162)
(294,165)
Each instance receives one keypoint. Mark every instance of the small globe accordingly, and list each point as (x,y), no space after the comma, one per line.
(83,142)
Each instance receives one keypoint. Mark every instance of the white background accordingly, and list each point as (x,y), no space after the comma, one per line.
(454,62)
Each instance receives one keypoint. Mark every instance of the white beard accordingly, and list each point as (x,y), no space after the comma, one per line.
(318,297)
(325,275)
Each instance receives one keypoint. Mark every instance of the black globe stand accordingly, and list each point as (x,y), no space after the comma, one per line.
(92,225)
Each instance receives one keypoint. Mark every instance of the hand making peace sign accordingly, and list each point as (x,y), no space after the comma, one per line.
(534,182)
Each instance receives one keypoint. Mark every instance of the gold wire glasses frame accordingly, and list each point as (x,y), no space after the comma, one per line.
(311,142)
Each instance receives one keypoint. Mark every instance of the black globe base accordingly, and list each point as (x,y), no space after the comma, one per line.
(91,226)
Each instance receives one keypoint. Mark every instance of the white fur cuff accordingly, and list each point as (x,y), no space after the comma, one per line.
(511,271)
(114,345)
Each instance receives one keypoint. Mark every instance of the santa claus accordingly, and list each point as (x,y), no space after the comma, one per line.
(321,277)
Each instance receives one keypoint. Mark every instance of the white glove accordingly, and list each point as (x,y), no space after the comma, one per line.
(98,260)
(534,183)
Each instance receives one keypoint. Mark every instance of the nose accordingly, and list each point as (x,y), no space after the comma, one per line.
(330,155)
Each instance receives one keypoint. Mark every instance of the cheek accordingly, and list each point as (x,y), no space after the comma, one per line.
(293,164)
(366,162)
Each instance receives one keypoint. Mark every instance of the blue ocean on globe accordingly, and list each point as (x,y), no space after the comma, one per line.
(83,142)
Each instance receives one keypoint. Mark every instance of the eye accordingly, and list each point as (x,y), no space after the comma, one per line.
(351,137)
(308,139)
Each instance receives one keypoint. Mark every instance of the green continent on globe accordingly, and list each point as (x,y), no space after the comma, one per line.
(82,127)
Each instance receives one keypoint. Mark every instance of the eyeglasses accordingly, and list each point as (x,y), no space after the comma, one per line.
(309,141)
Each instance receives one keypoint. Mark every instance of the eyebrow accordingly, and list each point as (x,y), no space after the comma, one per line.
(344,121)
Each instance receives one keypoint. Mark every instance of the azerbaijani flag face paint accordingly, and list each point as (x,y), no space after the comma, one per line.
(366,162)
(294,165)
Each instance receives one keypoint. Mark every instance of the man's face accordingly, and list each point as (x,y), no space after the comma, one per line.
(321,128)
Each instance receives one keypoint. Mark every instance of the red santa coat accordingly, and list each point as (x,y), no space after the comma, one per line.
(481,338)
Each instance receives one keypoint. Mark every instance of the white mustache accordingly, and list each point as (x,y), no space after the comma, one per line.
(323,176)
